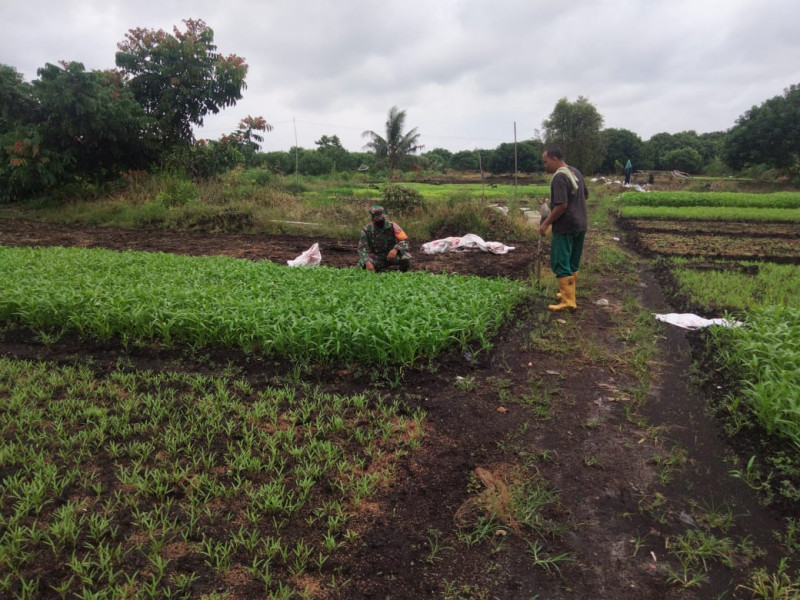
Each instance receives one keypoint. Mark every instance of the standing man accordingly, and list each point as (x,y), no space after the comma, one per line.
(568,217)
(383,244)
(628,171)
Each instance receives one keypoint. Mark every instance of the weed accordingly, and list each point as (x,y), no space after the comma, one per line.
(435,545)
(772,586)
(752,476)
(548,563)
(466,384)
(639,542)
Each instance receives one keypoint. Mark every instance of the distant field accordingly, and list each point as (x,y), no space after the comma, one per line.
(706,199)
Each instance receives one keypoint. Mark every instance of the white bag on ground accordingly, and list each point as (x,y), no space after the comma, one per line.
(310,258)
(467,242)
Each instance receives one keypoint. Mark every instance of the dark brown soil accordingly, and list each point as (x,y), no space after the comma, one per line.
(618,512)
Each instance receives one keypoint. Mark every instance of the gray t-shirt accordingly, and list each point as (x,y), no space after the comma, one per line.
(575,219)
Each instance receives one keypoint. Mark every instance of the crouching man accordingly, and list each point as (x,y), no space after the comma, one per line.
(383,244)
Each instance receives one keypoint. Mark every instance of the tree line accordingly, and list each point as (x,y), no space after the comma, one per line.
(74,125)
(71,124)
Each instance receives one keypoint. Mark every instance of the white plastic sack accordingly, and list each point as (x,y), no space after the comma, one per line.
(690,321)
(310,258)
(467,242)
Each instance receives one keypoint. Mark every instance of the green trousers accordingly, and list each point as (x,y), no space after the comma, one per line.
(565,253)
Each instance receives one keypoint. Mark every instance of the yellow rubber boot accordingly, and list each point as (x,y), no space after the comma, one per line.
(566,286)
(575,275)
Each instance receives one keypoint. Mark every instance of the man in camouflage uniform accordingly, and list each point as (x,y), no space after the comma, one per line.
(383,244)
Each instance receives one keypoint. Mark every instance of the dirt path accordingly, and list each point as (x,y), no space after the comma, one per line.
(551,398)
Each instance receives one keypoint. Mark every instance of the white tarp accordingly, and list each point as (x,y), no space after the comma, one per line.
(690,321)
(467,242)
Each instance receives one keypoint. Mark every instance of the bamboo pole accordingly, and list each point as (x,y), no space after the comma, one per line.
(483,184)
(515,163)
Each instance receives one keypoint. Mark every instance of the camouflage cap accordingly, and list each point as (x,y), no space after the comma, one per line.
(376,211)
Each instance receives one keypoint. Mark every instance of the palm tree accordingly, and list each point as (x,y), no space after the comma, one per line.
(396,144)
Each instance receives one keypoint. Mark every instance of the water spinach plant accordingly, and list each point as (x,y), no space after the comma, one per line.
(787,200)
(765,355)
(718,206)
(170,485)
(308,314)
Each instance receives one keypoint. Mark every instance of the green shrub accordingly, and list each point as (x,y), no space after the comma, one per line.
(177,191)
(260,177)
(471,217)
(399,199)
(295,188)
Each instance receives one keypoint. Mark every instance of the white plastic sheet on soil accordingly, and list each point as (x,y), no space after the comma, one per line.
(690,321)
(467,242)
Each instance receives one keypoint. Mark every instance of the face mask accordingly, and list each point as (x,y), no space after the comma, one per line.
(379,223)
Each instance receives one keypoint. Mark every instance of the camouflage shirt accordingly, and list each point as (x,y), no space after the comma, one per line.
(379,241)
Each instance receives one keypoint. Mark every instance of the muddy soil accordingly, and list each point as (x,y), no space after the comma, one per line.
(619,508)
(275,248)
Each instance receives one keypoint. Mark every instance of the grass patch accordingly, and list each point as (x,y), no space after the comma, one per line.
(259,201)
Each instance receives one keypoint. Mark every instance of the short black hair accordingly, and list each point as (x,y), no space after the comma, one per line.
(554,152)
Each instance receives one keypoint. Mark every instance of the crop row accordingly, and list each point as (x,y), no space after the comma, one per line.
(314,314)
(754,285)
(765,356)
(760,359)
(707,199)
(764,229)
(168,485)
(719,246)
(711,213)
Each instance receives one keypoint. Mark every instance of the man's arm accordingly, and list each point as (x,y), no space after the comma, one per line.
(363,247)
(560,188)
(559,210)
(401,241)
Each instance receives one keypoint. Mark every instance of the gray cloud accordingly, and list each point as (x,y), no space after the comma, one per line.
(464,70)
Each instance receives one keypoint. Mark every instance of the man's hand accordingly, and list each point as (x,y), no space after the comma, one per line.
(543,228)
(392,253)
(370,267)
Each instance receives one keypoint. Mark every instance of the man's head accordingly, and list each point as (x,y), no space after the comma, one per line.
(378,215)
(553,158)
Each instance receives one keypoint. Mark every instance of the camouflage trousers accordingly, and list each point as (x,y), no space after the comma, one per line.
(402,261)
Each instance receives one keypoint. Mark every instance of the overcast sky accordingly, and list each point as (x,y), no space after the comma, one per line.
(465,71)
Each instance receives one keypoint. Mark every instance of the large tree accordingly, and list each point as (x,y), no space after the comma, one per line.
(684,151)
(396,145)
(620,146)
(180,78)
(528,157)
(768,134)
(575,127)
(337,157)
(468,160)
(16,98)
(69,124)
(92,118)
